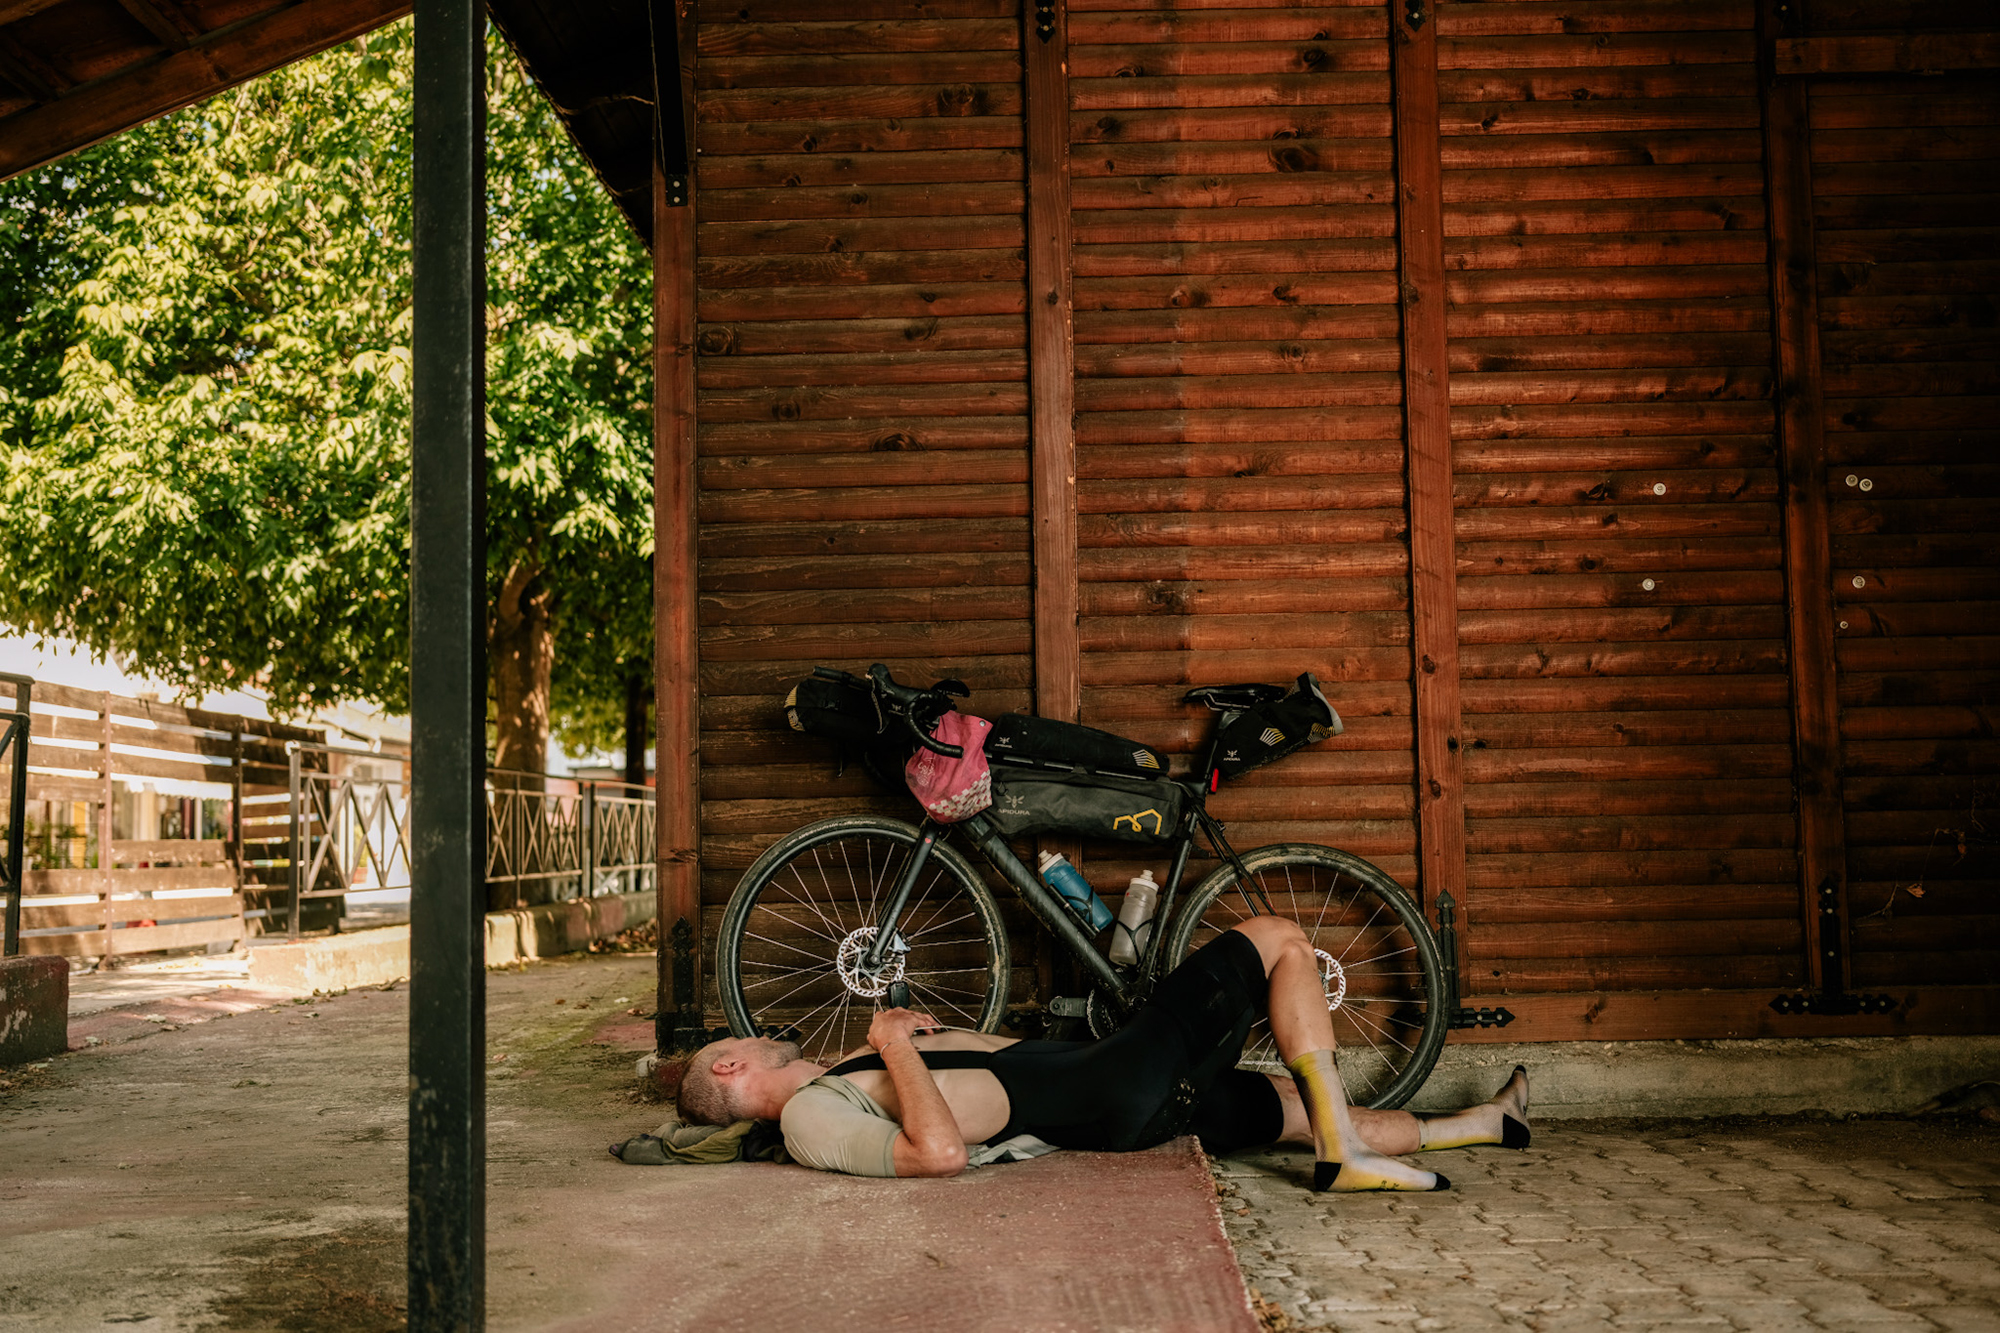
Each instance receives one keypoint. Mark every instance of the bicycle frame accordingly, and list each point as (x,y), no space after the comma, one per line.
(1126,987)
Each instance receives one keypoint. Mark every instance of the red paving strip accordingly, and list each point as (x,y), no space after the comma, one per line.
(110,1026)
(1069,1243)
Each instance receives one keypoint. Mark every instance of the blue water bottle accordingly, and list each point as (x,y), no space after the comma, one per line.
(1068,881)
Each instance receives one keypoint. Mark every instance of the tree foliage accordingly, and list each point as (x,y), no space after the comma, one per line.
(205,390)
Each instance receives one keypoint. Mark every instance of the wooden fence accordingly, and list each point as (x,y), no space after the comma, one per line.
(152,826)
(132,823)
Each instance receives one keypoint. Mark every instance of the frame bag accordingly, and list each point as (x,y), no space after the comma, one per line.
(1257,736)
(1032,801)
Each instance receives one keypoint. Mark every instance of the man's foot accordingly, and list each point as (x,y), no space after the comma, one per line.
(1502,1119)
(1346,1164)
(1362,1173)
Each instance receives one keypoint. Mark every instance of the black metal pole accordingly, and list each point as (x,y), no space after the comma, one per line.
(447,1241)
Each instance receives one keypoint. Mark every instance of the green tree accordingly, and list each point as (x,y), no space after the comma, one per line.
(205,399)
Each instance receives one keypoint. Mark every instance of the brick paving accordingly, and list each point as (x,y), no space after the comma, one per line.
(1763,1225)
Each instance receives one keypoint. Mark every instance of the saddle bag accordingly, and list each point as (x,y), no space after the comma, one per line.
(1270,731)
(1028,802)
(1018,738)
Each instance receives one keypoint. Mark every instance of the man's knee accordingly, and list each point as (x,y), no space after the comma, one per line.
(1275,937)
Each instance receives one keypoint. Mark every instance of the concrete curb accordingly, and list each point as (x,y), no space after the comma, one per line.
(34,1008)
(371,957)
(1698,1079)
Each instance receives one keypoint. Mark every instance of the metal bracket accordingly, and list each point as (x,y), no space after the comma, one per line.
(1835,1002)
(1413,13)
(1462,1016)
(1045,19)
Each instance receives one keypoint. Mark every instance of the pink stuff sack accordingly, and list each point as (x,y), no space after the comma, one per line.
(953,789)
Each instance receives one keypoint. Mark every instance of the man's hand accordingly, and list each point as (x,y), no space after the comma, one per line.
(930,1144)
(890,1025)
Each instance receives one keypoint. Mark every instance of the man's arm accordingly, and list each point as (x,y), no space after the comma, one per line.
(931,1143)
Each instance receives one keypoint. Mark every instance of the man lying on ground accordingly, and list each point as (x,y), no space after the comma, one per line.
(914,1103)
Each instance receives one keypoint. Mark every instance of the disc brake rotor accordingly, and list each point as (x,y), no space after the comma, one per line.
(848,963)
(1332,978)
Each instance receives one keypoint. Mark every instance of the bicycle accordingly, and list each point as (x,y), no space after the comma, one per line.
(849,912)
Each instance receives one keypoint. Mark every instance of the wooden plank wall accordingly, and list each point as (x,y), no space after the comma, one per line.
(1638,497)
(862,383)
(1239,421)
(1905,197)
(1629,808)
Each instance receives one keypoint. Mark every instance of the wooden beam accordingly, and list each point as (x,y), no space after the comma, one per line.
(96,111)
(676,647)
(1729,1015)
(1051,358)
(1927,53)
(1427,430)
(29,72)
(13,11)
(165,22)
(1802,463)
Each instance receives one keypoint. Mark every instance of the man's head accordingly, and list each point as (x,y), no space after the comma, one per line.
(741,1078)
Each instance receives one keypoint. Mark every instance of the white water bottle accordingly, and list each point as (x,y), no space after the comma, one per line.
(1135,919)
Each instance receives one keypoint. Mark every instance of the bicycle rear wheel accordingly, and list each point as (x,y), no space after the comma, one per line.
(1384,981)
(804,912)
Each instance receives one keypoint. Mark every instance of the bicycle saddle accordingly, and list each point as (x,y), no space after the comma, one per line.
(1233,698)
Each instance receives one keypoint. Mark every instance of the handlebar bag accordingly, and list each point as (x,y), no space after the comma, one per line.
(1018,737)
(1032,801)
(953,789)
(1257,736)
(845,712)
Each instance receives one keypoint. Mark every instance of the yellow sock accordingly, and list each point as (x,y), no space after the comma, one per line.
(1346,1164)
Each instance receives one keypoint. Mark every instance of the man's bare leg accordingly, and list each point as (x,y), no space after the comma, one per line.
(1502,1119)
(1303,1030)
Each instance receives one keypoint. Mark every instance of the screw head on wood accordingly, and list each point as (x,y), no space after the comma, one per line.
(1647,585)
(1852,479)
(1860,582)
(1659,488)
(1867,485)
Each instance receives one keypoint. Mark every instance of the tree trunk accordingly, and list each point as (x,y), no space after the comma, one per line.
(522,655)
(637,732)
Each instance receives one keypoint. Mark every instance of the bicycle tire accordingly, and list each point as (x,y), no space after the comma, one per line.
(1390,1019)
(778,955)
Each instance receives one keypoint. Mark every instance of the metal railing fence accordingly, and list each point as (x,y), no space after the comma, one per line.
(548,838)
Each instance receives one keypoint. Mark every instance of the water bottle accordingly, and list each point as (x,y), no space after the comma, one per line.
(1135,919)
(1068,881)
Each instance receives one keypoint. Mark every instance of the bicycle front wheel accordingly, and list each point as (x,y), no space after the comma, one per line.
(807,909)
(1380,968)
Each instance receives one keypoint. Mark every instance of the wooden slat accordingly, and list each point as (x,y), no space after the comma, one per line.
(1886,53)
(1052,373)
(125,881)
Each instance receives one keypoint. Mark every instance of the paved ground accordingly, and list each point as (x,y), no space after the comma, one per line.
(1766,1225)
(205,1166)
